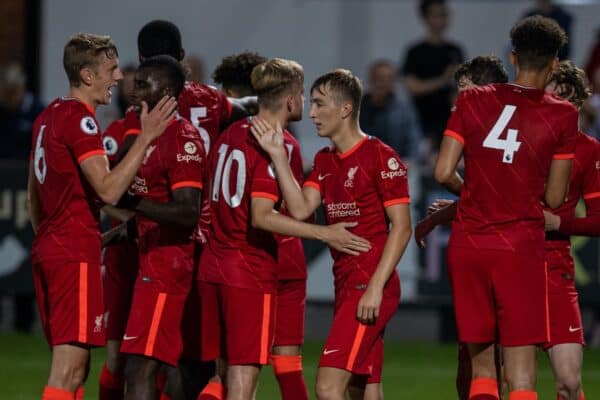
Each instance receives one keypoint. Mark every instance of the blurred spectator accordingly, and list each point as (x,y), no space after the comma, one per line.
(547,8)
(592,68)
(125,89)
(385,116)
(196,69)
(428,70)
(18,110)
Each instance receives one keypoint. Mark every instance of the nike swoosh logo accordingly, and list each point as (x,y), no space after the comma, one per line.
(571,329)
(125,337)
(321,177)
(326,352)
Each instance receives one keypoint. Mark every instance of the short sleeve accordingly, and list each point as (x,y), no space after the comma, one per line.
(133,125)
(591,179)
(314,177)
(565,148)
(391,177)
(263,183)
(187,161)
(456,127)
(83,137)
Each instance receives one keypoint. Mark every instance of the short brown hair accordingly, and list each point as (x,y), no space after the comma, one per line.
(572,83)
(83,50)
(274,78)
(536,41)
(344,87)
(482,70)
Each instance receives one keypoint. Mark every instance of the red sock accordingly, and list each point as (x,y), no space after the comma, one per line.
(483,389)
(79,393)
(523,395)
(161,381)
(53,393)
(288,371)
(112,386)
(581,396)
(164,396)
(212,391)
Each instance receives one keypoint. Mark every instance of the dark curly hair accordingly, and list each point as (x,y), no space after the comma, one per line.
(482,70)
(571,83)
(160,37)
(536,41)
(234,72)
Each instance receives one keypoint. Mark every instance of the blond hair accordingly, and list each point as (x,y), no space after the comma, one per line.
(275,78)
(84,50)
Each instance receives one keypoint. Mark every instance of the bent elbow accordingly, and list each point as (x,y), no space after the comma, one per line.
(110,199)
(257,221)
(554,201)
(441,175)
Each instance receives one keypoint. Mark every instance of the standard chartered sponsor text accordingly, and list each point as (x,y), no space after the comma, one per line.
(340,210)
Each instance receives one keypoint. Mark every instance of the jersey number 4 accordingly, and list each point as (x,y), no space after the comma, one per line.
(223,176)
(509,145)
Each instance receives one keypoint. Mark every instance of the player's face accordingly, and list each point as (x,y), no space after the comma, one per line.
(297,104)
(325,112)
(146,87)
(465,84)
(106,76)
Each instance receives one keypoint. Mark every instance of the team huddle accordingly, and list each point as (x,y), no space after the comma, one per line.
(202,278)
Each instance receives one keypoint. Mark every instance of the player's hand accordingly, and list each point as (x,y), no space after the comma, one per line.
(368,306)
(269,138)
(155,122)
(422,229)
(438,205)
(339,238)
(552,221)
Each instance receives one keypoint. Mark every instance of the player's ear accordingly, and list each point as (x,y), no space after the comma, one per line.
(346,110)
(181,54)
(86,75)
(555,63)
(289,102)
(513,58)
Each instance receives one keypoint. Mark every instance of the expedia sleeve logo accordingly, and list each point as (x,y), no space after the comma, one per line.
(88,126)
(191,151)
(396,169)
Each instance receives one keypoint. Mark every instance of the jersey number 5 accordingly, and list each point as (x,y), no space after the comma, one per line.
(39,158)
(196,113)
(223,176)
(510,144)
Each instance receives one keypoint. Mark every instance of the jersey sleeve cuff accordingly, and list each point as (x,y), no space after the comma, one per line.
(592,195)
(132,131)
(454,135)
(264,195)
(313,185)
(564,156)
(89,154)
(393,202)
(189,184)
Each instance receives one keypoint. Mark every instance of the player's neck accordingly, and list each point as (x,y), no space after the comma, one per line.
(531,79)
(273,117)
(347,137)
(82,96)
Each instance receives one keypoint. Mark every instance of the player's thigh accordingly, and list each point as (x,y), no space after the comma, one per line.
(520,287)
(472,294)
(289,316)
(248,320)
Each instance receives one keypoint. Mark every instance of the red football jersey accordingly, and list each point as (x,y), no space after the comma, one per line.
(583,182)
(174,160)
(356,186)
(290,253)
(237,254)
(113,139)
(510,135)
(64,135)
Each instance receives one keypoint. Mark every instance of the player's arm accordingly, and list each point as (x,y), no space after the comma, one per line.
(120,214)
(121,232)
(335,236)
(33,204)
(240,108)
(445,167)
(110,185)
(557,185)
(301,203)
(441,216)
(182,211)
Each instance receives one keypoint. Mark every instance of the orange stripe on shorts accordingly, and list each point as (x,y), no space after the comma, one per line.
(83,304)
(158,310)
(264,332)
(360,332)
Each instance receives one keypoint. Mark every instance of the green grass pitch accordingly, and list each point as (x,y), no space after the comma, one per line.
(411,371)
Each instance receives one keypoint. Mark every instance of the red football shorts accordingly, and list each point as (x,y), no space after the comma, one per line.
(121,265)
(353,346)
(69,298)
(237,324)
(289,316)
(191,325)
(499,296)
(566,325)
(154,325)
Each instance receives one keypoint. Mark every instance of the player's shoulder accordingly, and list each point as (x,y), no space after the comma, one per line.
(199,92)
(72,112)
(115,128)
(586,146)
(289,138)
(559,103)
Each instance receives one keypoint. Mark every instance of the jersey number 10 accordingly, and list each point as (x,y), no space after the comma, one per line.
(223,176)
(509,145)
